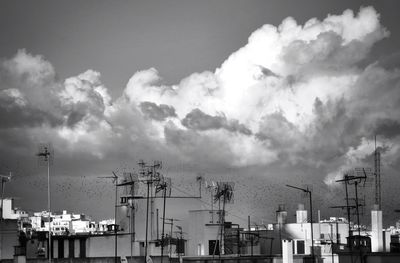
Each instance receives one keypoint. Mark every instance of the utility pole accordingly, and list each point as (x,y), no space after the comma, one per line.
(45,153)
(114,178)
(307,191)
(377,172)
(129,200)
(150,172)
(163,186)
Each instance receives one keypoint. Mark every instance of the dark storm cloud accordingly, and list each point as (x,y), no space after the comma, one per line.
(198,120)
(388,128)
(14,116)
(200,149)
(157,112)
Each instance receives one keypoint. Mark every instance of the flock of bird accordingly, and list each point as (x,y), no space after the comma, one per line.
(256,197)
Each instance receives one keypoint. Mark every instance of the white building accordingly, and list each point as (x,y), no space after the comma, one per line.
(11,212)
(204,232)
(64,223)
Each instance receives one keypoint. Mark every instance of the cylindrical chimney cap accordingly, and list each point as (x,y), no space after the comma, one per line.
(281,208)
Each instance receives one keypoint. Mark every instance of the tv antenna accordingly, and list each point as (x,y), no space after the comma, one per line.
(223,191)
(151,175)
(46,157)
(377,173)
(163,185)
(355,180)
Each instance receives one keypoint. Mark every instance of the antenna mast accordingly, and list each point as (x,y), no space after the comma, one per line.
(377,172)
(46,155)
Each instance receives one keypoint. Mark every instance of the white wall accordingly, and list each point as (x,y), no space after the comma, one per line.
(201,231)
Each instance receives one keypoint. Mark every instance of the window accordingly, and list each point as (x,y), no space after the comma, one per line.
(213,247)
(300,246)
(61,248)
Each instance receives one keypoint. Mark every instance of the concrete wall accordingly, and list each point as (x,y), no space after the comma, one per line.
(201,231)
(8,238)
(103,246)
(376,231)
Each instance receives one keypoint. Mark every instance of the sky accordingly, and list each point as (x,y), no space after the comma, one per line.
(260,93)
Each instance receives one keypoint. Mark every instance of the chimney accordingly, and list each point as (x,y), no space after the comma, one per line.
(281,215)
(301,214)
(376,230)
(287,251)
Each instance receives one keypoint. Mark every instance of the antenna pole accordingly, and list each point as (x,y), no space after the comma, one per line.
(357,211)
(48,202)
(115,223)
(348,216)
(163,223)
(377,172)
(46,154)
(147,218)
(308,191)
(115,180)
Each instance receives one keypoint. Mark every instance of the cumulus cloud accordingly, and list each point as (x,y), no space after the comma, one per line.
(157,112)
(198,120)
(295,96)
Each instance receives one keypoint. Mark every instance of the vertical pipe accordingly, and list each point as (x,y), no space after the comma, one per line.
(115,223)
(223,228)
(357,211)
(157,224)
(212,207)
(333,257)
(132,219)
(348,218)
(163,225)
(238,240)
(170,241)
(48,203)
(358,222)
(131,228)
(147,220)
(312,230)
(220,230)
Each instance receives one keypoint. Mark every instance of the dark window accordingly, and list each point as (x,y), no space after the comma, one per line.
(213,247)
(180,246)
(300,247)
(52,248)
(71,248)
(61,248)
(82,246)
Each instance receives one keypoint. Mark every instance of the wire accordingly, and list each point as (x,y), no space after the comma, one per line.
(208,203)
